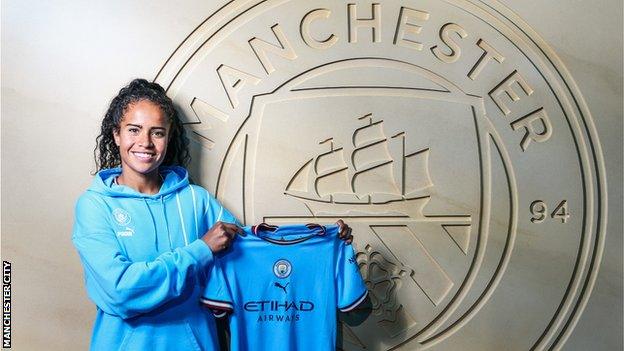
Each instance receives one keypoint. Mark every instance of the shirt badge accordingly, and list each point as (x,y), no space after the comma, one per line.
(282,268)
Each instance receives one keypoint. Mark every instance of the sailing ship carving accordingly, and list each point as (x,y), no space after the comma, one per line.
(372,175)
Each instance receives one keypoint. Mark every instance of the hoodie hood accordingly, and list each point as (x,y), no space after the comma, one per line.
(174,177)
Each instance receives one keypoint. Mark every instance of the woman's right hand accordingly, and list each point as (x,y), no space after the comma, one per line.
(220,236)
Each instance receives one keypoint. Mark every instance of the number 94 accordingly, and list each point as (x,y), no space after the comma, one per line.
(539,210)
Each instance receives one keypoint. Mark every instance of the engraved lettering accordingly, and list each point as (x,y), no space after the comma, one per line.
(374,23)
(561,212)
(261,47)
(233,81)
(506,86)
(307,36)
(530,133)
(204,112)
(538,210)
(445,35)
(407,25)
(489,53)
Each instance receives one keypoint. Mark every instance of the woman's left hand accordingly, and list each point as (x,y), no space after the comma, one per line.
(344,232)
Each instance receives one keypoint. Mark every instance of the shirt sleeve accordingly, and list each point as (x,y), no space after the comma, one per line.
(217,296)
(351,290)
(124,288)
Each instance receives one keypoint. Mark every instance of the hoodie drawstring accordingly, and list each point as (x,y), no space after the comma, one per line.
(195,213)
(149,210)
(162,205)
(181,219)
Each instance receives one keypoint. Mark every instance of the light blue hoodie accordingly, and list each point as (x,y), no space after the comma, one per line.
(145,264)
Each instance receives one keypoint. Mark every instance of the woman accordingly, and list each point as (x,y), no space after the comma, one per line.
(145,235)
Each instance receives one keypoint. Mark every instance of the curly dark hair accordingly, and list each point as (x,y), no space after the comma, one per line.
(106,152)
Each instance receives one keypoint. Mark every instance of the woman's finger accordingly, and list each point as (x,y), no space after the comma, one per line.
(232,228)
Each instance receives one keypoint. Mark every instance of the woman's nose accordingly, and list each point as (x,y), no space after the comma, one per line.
(145,140)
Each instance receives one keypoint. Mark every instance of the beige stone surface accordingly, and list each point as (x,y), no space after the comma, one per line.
(415,146)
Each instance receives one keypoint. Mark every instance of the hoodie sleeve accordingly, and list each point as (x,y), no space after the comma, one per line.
(119,286)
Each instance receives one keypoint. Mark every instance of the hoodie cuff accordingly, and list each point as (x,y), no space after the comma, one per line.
(201,252)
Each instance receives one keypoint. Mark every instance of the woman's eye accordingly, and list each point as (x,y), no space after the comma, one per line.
(133,130)
(158,134)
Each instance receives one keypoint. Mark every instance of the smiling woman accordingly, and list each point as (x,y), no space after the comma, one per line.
(131,102)
(146,237)
(142,141)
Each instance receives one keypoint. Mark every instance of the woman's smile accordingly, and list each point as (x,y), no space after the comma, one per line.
(144,156)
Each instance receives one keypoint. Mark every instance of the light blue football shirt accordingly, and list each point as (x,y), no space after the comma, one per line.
(283,286)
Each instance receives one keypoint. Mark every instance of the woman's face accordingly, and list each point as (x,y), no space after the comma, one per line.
(142,138)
